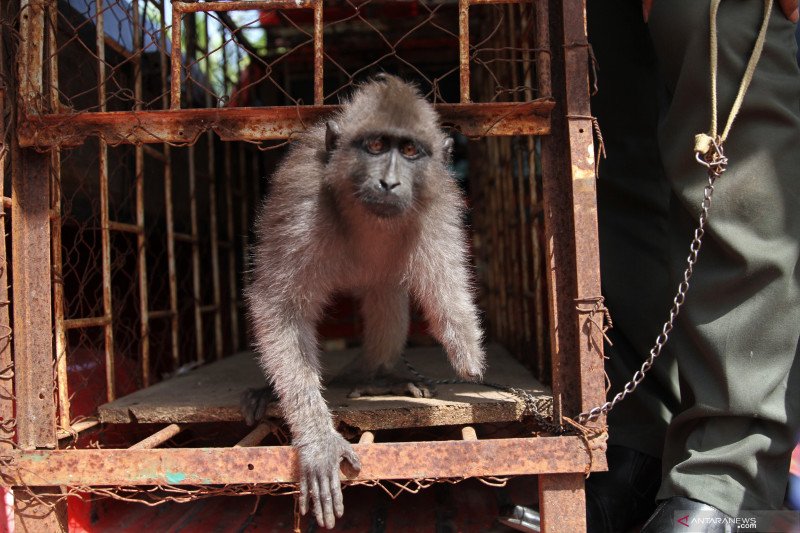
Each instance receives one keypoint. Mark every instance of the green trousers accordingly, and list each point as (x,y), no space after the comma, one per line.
(722,405)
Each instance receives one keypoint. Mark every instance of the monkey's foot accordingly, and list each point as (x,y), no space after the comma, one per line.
(254,402)
(393,387)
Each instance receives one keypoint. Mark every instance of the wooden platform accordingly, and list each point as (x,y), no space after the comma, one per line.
(211,394)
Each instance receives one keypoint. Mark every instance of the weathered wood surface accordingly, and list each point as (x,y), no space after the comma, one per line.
(211,393)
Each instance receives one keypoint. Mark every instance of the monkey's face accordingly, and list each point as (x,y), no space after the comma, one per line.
(387,171)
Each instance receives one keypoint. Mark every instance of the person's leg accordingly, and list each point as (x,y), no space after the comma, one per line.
(633,197)
(737,338)
(633,209)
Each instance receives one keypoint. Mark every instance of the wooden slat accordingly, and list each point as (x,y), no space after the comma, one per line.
(212,393)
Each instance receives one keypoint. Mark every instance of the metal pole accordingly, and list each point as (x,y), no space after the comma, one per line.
(463,49)
(319,92)
(141,241)
(232,292)
(212,200)
(198,313)
(55,239)
(104,215)
(168,208)
(31,263)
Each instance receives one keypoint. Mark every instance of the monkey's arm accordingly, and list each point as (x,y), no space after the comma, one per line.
(440,282)
(289,355)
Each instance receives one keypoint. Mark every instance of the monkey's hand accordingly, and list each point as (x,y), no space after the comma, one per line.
(320,458)
(470,364)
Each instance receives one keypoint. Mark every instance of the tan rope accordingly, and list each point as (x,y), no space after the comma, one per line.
(704,141)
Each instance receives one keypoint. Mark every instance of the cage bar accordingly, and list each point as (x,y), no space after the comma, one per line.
(169,214)
(277,464)
(231,250)
(175,63)
(61,349)
(197,303)
(212,201)
(255,437)
(104,214)
(256,125)
(319,60)
(30,243)
(141,241)
(158,438)
(76,428)
(463,49)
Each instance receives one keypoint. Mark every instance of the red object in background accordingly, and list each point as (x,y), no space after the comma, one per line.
(79,514)
(86,379)
(388,10)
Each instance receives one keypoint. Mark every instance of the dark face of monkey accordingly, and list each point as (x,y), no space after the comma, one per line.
(386,171)
(384,160)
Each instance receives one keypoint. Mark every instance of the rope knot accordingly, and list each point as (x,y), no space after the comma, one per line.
(702,143)
(709,153)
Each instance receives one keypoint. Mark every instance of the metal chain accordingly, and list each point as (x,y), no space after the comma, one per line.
(715,162)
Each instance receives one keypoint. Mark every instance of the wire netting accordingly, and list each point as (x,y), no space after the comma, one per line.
(266,57)
(150,240)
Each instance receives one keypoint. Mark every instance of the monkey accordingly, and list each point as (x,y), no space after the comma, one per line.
(362,203)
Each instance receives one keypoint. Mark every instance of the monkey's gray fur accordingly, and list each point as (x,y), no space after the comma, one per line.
(363,204)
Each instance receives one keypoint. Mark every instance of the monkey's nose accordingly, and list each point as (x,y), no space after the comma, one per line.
(388,186)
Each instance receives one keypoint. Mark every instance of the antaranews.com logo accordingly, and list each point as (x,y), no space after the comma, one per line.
(759,521)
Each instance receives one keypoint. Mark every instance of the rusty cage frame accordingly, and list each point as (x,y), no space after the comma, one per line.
(36,467)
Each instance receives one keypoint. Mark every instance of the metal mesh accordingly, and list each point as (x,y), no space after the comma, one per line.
(152,213)
(245,53)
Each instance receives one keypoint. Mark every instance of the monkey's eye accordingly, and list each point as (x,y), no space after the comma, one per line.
(376,145)
(409,149)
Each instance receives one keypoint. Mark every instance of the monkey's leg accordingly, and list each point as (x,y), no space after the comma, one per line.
(378,370)
(254,402)
(289,355)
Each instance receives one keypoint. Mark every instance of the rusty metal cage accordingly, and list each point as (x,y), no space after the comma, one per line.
(135,137)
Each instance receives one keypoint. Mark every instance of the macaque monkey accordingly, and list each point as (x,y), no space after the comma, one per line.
(364,204)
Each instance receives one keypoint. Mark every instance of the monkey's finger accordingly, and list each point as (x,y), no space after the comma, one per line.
(427,392)
(336,493)
(315,501)
(353,459)
(326,500)
(414,390)
(303,495)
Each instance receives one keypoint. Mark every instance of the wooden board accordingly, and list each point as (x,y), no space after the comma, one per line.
(211,394)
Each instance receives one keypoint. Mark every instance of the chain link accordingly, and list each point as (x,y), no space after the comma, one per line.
(715,162)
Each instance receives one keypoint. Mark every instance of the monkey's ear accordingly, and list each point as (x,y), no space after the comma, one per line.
(332,133)
(447,147)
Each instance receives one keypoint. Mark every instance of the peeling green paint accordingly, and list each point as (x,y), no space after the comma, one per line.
(175,477)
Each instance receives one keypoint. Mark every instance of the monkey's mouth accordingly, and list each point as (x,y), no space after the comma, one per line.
(383,205)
